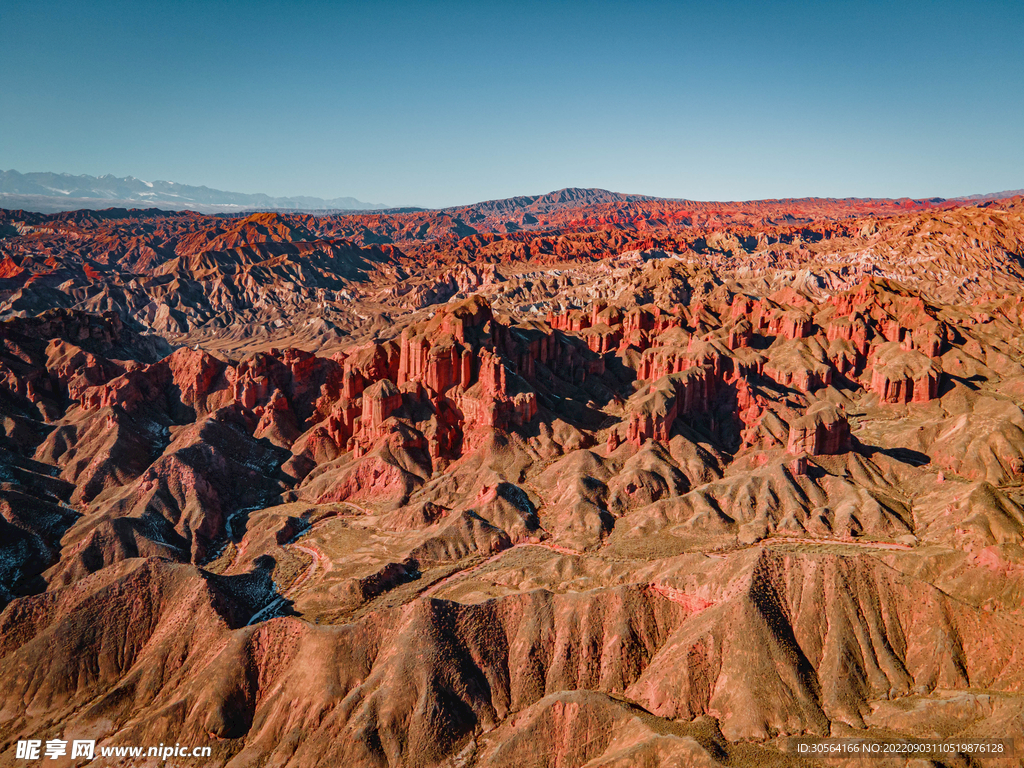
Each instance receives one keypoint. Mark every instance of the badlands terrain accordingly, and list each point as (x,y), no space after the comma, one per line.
(581,479)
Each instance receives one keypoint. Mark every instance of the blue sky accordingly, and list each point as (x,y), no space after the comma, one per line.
(446,103)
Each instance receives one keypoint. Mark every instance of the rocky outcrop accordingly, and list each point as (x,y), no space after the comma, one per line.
(652,417)
(899,375)
(823,430)
(801,364)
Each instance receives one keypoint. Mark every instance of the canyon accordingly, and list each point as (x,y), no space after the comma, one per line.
(560,480)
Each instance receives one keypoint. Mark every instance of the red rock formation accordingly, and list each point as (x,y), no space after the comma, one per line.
(930,338)
(653,417)
(902,376)
(691,391)
(740,334)
(795,324)
(379,402)
(195,374)
(823,430)
(602,338)
(277,421)
(490,404)
(852,329)
(131,391)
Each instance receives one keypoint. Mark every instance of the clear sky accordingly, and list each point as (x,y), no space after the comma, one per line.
(446,103)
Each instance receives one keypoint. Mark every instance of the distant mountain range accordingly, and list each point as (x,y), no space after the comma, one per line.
(52,192)
(56,192)
(994,195)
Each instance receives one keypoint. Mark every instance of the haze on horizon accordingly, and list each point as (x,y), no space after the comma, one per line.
(453,103)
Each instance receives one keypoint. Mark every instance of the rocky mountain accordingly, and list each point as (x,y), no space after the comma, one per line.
(575,479)
(53,192)
(994,195)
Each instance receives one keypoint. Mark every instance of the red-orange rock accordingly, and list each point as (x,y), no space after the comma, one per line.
(902,376)
(823,430)
(379,402)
